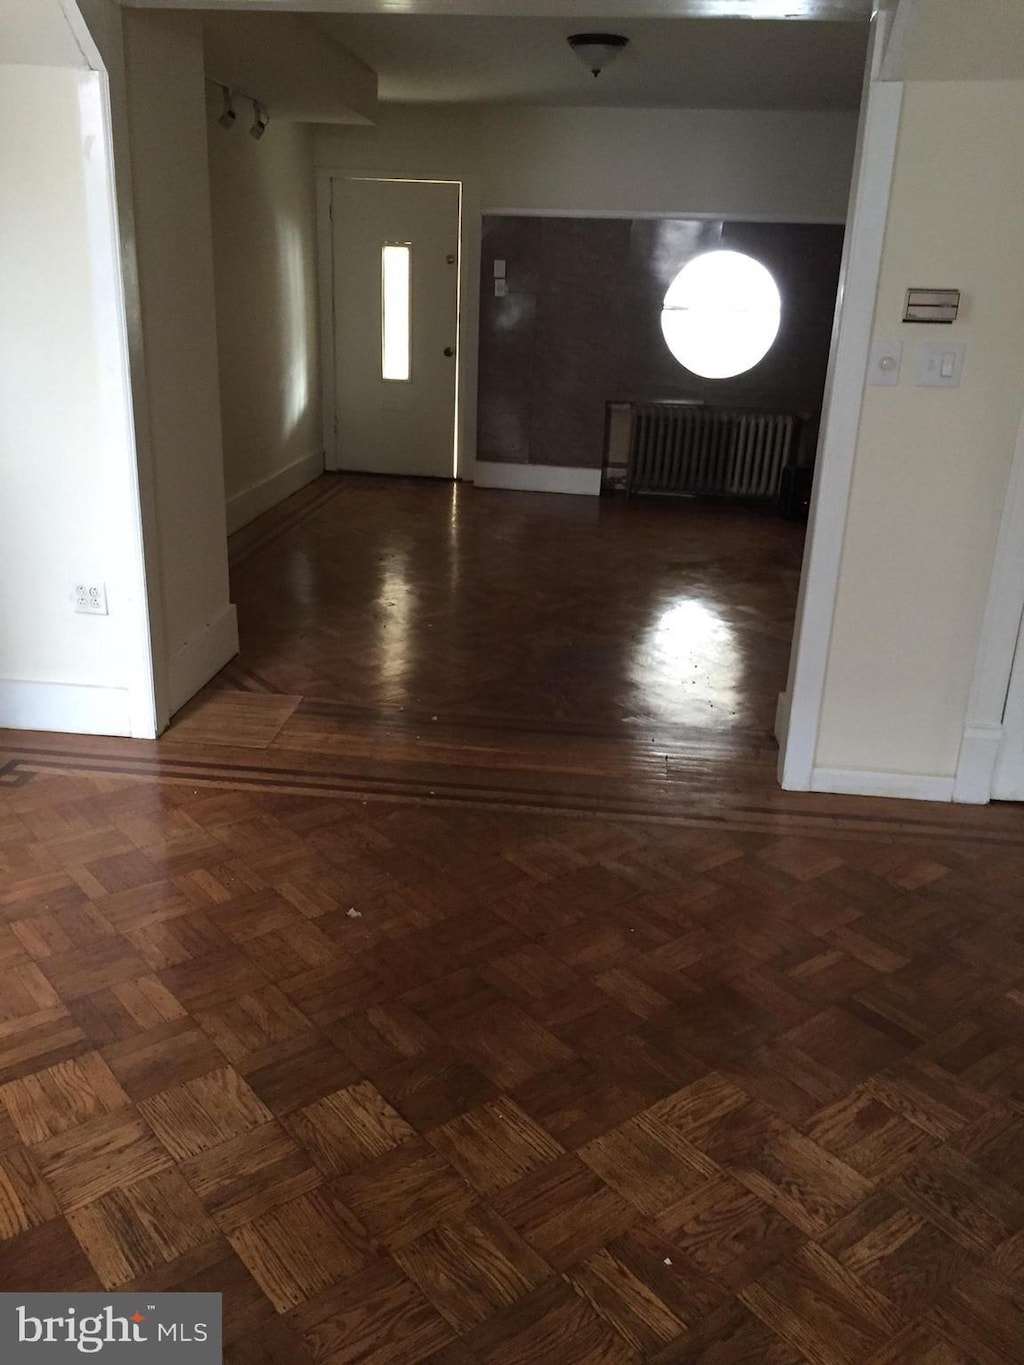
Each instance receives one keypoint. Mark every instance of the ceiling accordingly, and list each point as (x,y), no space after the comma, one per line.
(694,63)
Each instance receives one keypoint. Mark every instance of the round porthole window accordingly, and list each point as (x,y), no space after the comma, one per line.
(721,314)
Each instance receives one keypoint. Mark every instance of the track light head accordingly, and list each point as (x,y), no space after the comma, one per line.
(260,119)
(227,114)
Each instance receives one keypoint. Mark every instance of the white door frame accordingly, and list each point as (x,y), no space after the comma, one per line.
(799,712)
(468,325)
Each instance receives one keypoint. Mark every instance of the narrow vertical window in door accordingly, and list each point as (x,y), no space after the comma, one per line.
(396,310)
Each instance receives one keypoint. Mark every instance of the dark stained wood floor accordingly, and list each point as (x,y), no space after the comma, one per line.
(494,1042)
(446,599)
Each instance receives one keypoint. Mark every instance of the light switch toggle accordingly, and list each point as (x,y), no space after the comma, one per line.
(940,364)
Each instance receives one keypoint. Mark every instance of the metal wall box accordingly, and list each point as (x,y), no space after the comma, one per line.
(931,305)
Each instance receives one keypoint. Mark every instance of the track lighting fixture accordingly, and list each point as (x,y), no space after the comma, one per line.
(227,114)
(260,119)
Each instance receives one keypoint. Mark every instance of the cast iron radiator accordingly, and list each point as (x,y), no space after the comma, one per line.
(727,452)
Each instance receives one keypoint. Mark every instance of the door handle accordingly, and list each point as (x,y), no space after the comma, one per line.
(449,350)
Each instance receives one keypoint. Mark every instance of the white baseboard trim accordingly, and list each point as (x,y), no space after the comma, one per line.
(976,767)
(859,782)
(251,502)
(537,478)
(68,707)
(196,662)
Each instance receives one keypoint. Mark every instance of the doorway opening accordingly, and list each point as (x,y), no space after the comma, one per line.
(650,620)
(584,647)
(576,648)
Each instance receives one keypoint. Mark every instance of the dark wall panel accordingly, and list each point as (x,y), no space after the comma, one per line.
(580,326)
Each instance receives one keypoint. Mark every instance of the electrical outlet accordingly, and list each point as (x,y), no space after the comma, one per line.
(91,598)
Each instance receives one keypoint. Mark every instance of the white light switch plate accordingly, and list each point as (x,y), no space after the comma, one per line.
(884,364)
(940,364)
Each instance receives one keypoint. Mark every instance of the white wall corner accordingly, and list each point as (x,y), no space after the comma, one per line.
(245,506)
(782,710)
(900,16)
(997,646)
(71,708)
(537,478)
(861,782)
(197,661)
(976,766)
(325,313)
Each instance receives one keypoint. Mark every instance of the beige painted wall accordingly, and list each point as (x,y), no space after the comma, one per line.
(931,465)
(291,64)
(263,199)
(741,162)
(50,410)
(794,166)
(442,140)
(964,40)
(68,511)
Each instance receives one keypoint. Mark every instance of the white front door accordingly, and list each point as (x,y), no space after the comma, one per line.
(396,321)
(1008,781)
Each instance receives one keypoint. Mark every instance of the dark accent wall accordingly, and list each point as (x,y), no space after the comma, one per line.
(580,326)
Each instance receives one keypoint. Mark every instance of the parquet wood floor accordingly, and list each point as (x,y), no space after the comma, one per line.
(542,1052)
